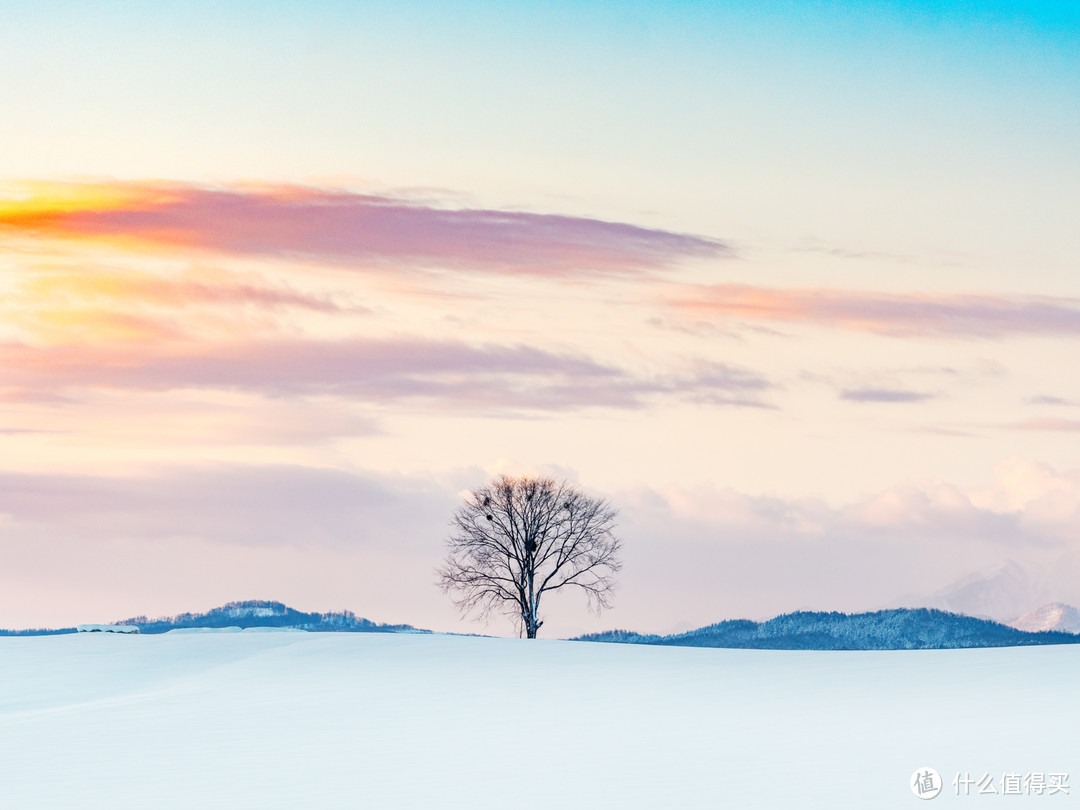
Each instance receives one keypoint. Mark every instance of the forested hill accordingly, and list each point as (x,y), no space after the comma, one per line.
(268,614)
(249,614)
(900,629)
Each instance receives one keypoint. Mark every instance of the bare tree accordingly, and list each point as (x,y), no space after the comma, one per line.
(516,539)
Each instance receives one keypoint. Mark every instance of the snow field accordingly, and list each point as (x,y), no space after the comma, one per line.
(357,720)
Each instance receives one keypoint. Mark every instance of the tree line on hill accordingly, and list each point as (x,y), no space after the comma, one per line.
(898,629)
(251,613)
(258,613)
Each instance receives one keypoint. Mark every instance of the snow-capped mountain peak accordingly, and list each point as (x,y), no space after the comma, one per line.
(1055,616)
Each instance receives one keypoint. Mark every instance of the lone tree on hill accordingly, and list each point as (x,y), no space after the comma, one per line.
(519,538)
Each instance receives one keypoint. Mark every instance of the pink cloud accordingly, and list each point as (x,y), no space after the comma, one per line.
(910,314)
(96,306)
(182,292)
(339,226)
(487,378)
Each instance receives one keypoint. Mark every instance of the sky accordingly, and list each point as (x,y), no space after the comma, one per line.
(792,285)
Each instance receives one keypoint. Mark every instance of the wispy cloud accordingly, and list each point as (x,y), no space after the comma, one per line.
(719,384)
(90,304)
(1051,424)
(911,314)
(757,555)
(487,378)
(138,288)
(234,504)
(345,227)
(1050,400)
(883,395)
(939,430)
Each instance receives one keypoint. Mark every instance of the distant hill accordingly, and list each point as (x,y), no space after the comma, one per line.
(39,631)
(899,629)
(247,614)
(1055,616)
(255,613)
(998,592)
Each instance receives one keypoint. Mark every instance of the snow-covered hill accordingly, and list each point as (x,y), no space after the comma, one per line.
(351,720)
(251,614)
(1055,616)
(898,629)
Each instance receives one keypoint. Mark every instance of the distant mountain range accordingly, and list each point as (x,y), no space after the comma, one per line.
(252,613)
(1007,590)
(1009,593)
(999,592)
(897,629)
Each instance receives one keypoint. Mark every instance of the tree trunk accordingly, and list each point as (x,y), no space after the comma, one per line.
(532,623)
(532,626)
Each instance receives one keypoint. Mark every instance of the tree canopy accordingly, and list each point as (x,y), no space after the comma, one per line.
(517,539)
